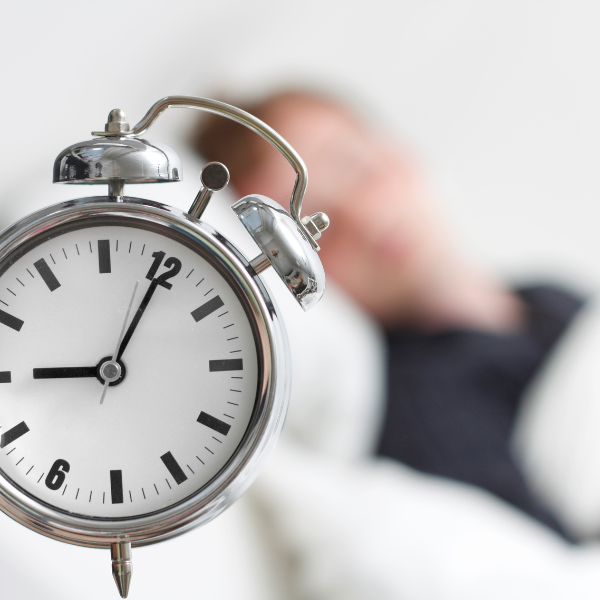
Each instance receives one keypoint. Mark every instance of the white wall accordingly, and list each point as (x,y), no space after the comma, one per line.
(500,98)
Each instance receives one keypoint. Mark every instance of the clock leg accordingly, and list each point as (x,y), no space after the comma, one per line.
(122,566)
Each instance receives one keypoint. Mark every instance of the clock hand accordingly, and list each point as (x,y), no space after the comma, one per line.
(138,315)
(64,372)
(114,358)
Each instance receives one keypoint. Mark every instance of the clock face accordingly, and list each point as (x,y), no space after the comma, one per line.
(109,413)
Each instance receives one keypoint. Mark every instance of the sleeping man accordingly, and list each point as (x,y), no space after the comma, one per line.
(436,383)
(461,347)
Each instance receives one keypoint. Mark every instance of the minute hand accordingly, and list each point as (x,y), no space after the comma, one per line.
(138,315)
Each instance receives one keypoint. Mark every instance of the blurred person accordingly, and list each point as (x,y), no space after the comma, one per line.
(462,348)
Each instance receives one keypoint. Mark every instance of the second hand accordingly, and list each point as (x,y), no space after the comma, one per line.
(114,358)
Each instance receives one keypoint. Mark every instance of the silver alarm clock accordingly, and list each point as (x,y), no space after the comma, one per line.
(144,370)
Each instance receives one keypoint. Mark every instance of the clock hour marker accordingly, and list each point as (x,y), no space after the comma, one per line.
(104,256)
(47,275)
(214,423)
(207,308)
(176,471)
(116,487)
(5,377)
(8,437)
(228,364)
(10,321)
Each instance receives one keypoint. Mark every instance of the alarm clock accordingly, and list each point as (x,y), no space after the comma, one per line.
(144,369)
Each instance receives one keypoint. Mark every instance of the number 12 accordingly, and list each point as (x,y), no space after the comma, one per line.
(173,264)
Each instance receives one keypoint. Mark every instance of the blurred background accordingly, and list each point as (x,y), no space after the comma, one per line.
(499,100)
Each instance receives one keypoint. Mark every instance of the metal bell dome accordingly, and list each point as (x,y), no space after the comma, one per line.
(117,155)
(130,159)
(284,246)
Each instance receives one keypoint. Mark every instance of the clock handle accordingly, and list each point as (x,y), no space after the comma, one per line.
(310,226)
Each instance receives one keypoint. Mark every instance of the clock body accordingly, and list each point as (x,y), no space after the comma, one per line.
(179,430)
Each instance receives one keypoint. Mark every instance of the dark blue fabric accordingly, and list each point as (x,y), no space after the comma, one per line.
(453,397)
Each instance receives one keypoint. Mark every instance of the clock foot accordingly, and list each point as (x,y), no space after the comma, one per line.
(122,566)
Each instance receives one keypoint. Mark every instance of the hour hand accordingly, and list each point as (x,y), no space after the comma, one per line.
(64,372)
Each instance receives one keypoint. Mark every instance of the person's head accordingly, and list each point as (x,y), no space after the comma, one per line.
(385,241)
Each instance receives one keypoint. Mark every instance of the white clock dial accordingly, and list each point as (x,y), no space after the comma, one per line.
(186,377)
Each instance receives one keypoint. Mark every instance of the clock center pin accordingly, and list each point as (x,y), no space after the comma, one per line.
(110,371)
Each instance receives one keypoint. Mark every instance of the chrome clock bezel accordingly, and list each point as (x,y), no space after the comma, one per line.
(271,402)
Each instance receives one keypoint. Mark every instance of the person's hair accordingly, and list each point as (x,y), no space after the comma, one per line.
(220,139)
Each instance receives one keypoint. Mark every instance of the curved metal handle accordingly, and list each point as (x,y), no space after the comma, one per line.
(248,120)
